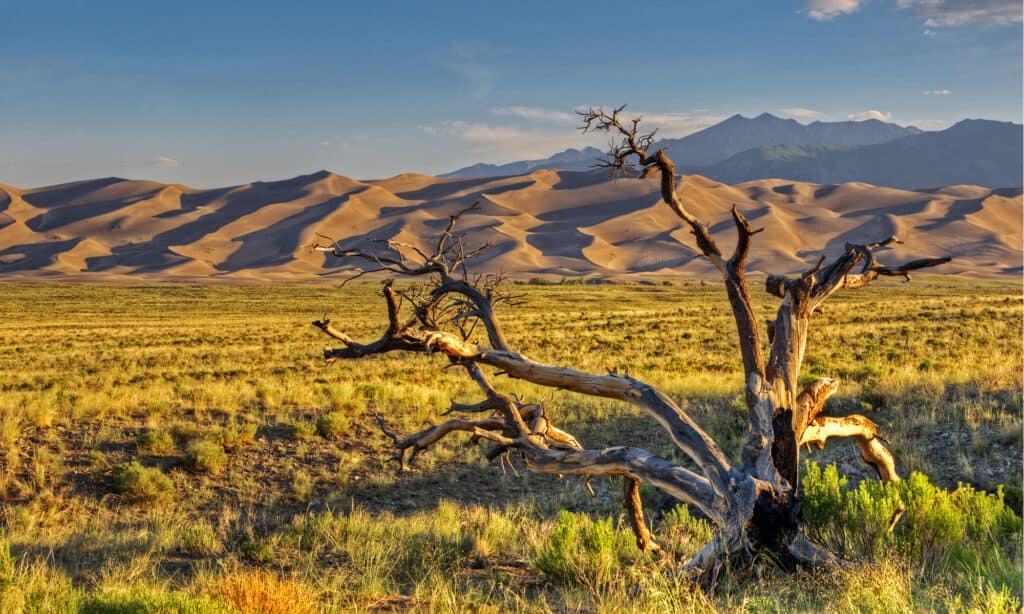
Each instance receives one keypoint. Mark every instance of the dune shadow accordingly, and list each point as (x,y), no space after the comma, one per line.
(34,256)
(445,189)
(570,180)
(463,201)
(276,244)
(156,255)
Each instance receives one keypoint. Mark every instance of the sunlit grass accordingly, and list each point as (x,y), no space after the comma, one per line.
(273,461)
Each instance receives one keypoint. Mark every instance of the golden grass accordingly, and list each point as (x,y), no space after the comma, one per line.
(92,377)
(259,592)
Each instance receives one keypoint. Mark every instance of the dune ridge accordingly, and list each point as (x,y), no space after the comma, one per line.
(545,222)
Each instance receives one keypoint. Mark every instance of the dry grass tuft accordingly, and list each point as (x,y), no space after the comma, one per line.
(259,592)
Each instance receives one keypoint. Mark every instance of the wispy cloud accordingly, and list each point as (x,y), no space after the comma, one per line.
(669,125)
(676,125)
(800,112)
(936,92)
(165,162)
(536,114)
(929,124)
(466,63)
(871,114)
(504,141)
(827,10)
(935,13)
(945,13)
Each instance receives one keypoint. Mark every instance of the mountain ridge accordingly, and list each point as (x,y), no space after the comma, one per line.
(716,143)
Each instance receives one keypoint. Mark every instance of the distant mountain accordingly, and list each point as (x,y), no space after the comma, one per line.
(717,143)
(738,134)
(570,159)
(978,152)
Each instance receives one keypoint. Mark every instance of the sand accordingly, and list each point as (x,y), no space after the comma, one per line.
(544,223)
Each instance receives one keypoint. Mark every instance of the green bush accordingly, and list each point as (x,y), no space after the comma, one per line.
(206,456)
(155,442)
(585,551)
(679,528)
(959,532)
(237,435)
(151,601)
(142,484)
(302,430)
(333,425)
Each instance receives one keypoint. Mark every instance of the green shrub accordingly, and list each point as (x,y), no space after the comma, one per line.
(302,430)
(206,456)
(155,442)
(146,601)
(236,435)
(142,484)
(680,528)
(585,551)
(333,425)
(959,532)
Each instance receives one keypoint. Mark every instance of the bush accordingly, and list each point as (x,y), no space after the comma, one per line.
(302,430)
(949,532)
(151,600)
(206,456)
(154,442)
(585,551)
(236,435)
(333,425)
(142,484)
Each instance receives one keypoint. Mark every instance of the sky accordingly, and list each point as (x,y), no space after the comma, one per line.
(222,93)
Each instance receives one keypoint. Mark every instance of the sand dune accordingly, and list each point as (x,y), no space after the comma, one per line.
(546,222)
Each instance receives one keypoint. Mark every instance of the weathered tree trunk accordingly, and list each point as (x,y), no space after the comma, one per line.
(755,506)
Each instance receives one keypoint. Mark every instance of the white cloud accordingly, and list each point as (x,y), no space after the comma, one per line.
(941,13)
(929,124)
(800,112)
(165,162)
(669,125)
(509,142)
(536,114)
(676,125)
(827,10)
(936,92)
(871,114)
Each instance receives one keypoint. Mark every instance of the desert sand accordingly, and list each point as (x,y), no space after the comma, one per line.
(548,222)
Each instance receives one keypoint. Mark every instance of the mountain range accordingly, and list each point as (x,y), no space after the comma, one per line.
(545,222)
(980,152)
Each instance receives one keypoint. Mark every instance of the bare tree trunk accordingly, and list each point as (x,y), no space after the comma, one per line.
(755,506)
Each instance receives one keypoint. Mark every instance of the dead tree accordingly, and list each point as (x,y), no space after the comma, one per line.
(755,505)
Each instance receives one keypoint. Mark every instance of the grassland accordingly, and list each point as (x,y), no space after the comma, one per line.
(186,449)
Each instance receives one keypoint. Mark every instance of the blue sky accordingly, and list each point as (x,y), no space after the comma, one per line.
(218,93)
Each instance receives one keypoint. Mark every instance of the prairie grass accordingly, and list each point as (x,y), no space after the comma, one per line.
(112,398)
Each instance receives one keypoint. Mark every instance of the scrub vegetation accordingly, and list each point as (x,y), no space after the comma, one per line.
(185,449)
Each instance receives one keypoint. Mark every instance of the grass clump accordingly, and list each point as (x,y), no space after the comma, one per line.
(205,456)
(260,591)
(142,484)
(302,430)
(333,425)
(155,442)
(146,601)
(584,551)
